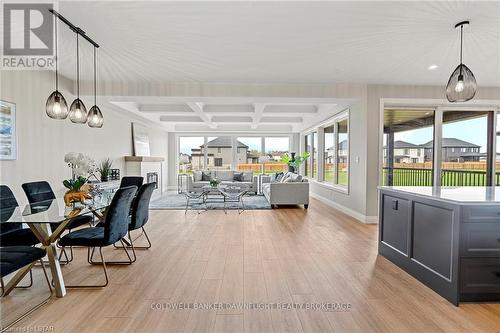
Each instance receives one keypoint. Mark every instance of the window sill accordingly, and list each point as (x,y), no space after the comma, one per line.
(336,188)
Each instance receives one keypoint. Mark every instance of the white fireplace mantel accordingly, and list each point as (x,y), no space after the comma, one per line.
(144,165)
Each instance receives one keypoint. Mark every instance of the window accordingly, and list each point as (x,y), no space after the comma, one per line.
(250,160)
(467,166)
(308,148)
(218,162)
(275,148)
(191,156)
(343,152)
(221,146)
(403,129)
(329,154)
(314,155)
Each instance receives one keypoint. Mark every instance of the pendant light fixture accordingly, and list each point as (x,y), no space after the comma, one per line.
(95,116)
(56,106)
(462,84)
(77,111)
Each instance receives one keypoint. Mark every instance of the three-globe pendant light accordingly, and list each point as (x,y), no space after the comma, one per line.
(462,84)
(56,106)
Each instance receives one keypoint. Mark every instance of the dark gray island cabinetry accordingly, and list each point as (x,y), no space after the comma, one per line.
(446,237)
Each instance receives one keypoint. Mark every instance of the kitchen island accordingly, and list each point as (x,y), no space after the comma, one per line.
(446,237)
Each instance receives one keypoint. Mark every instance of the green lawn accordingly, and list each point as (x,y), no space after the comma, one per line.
(423,177)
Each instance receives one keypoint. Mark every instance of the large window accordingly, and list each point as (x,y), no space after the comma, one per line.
(250,160)
(308,149)
(329,154)
(314,155)
(275,148)
(228,152)
(343,152)
(191,155)
(408,147)
(220,152)
(464,148)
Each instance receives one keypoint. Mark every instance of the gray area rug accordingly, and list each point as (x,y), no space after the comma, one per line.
(173,200)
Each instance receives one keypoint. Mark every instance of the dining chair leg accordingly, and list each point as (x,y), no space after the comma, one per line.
(129,262)
(105,273)
(23,287)
(187,205)
(68,260)
(46,275)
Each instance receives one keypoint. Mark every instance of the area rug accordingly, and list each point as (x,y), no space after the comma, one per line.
(173,200)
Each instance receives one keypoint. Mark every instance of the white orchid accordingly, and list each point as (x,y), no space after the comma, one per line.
(80,164)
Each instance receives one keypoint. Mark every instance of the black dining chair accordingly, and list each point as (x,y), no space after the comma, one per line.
(115,228)
(131,181)
(13,258)
(41,191)
(13,234)
(139,216)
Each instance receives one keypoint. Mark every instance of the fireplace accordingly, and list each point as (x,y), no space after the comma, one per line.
(152,177)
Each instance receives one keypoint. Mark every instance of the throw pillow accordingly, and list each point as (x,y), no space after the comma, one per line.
(288,180)
(197,176)
(238,176)
(278,176)
(205,176)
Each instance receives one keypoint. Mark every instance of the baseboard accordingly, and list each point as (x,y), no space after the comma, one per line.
(352,213)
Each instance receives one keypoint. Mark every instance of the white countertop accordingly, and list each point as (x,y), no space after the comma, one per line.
(465,194)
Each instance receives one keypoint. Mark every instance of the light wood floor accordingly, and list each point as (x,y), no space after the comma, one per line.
(286,255)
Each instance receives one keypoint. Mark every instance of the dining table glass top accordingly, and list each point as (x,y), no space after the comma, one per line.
(54,211)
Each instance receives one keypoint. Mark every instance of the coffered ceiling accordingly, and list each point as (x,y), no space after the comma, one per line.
(232,114)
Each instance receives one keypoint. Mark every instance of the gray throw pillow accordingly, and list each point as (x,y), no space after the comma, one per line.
(197,176)
(278,176)
(238,176)
(206,176)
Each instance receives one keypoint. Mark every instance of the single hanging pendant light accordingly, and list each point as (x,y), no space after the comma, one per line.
(77,111)
(462,84)
(56,106)
(95,116)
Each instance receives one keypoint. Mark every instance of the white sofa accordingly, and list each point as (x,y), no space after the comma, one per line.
(196,182)
(292,189)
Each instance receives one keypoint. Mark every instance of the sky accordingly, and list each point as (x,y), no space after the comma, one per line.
(472,130)
(254,143)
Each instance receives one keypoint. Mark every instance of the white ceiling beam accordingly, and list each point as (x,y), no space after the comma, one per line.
(258,111)
(198,110)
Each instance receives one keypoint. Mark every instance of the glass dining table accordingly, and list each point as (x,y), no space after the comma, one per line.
(41,217)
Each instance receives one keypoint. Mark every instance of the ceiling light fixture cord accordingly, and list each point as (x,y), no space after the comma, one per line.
(77,68)
(95,78)
(57,58)
(461,45)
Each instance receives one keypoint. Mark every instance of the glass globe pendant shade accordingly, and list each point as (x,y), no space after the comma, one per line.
(462,85)
(95,118)
(78,112)
(56,106)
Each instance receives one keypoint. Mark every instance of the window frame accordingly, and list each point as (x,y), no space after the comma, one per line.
(319,129)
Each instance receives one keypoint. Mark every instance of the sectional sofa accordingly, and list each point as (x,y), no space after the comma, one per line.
(202,178)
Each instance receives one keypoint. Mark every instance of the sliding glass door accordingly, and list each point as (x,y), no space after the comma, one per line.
(408,147)
(464,151)
(464,148)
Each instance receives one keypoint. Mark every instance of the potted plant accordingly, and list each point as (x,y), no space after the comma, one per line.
(214,182)
(75,191)
(294,162)
(105,169)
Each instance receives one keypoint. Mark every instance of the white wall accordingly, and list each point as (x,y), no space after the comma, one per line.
(43,142)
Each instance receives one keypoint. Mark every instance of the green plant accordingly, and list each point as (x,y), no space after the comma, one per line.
(297,162)
(74,185)
(105,167)
(214,182)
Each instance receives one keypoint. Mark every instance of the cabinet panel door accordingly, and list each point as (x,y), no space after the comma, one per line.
(433,238)
(481,275)
(395,224)
(480,239)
